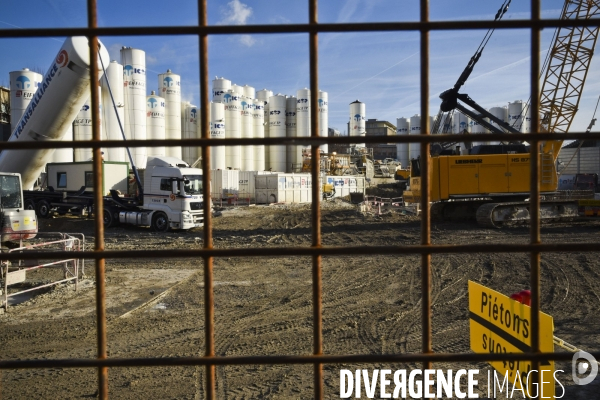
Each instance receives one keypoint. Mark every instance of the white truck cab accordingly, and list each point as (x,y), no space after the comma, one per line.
(17,222)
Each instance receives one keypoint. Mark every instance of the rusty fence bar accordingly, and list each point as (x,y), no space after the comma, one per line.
(210,360)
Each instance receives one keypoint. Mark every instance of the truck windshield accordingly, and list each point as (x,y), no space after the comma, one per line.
(193,184)
(10,191)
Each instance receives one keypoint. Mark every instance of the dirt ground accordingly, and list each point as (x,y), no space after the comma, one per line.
(371,304)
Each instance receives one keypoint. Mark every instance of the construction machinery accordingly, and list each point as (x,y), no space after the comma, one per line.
(492,183)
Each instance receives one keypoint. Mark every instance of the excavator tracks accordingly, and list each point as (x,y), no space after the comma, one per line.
(496,215)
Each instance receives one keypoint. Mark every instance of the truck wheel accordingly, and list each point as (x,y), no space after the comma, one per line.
(43,209)
(109,218)
(29,204)
(160,222)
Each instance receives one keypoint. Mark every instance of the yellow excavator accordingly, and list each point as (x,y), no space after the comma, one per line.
(492,183)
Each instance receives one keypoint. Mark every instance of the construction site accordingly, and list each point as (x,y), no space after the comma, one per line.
(245,249)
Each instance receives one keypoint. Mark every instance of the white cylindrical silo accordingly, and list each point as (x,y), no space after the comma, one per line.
(247,129)
(277,159)
(82,130)
(220,87)
(238,89)
(460,123)
(113,113)
(23,85)
(134,85)
(358,120)
(516,115)
(303,118)
(50,114)
(476,127)
(169,85)
(217,131)
(155,123)
(402,129)
(233,128)
(293,152)
(265,95)
(249,92)
(414,149)
(190,131)
(258,122)
(323,118)
(500,113)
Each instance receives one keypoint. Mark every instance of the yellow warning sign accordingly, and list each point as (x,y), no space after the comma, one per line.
(499,324)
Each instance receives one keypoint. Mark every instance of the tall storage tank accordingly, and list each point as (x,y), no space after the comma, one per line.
(414,149)
(23,85)
(233,128)
(258,123)
(323,118)
(293,153)
(82,130)
(516,115)
(277,159)
(265,95)
(155,123)
(238,89)
(113,115)
(67,82)
(220,87)
(402,129)
(249,92)
(217,131)
(190,131)
(500,113)
(134,83)
(303,112)
(247,127)
(460,123)
(476,127)
(358,119)
(169,85)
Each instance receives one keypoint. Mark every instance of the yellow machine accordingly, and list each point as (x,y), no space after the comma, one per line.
(493,182)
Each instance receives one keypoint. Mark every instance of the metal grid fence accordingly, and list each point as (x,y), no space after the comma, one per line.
(534,248)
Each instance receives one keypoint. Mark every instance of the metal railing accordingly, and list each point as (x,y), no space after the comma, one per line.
(208,253)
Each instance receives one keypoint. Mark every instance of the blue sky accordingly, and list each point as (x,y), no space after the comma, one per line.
(380,69)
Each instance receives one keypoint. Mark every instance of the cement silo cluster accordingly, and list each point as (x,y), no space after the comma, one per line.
(248,113)
(516,114)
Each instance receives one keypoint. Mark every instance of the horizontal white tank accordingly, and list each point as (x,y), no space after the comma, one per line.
(293,152)
(402,129)
(220,87)
(113,113)
(277,129)
(217,131)
(169,85)
(47,117)
(247,128)
(258,123)
(134,82)
(23,85)
(155,123)
(323,101)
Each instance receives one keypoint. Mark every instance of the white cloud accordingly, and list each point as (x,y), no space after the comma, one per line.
(247,40)
(236,13)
